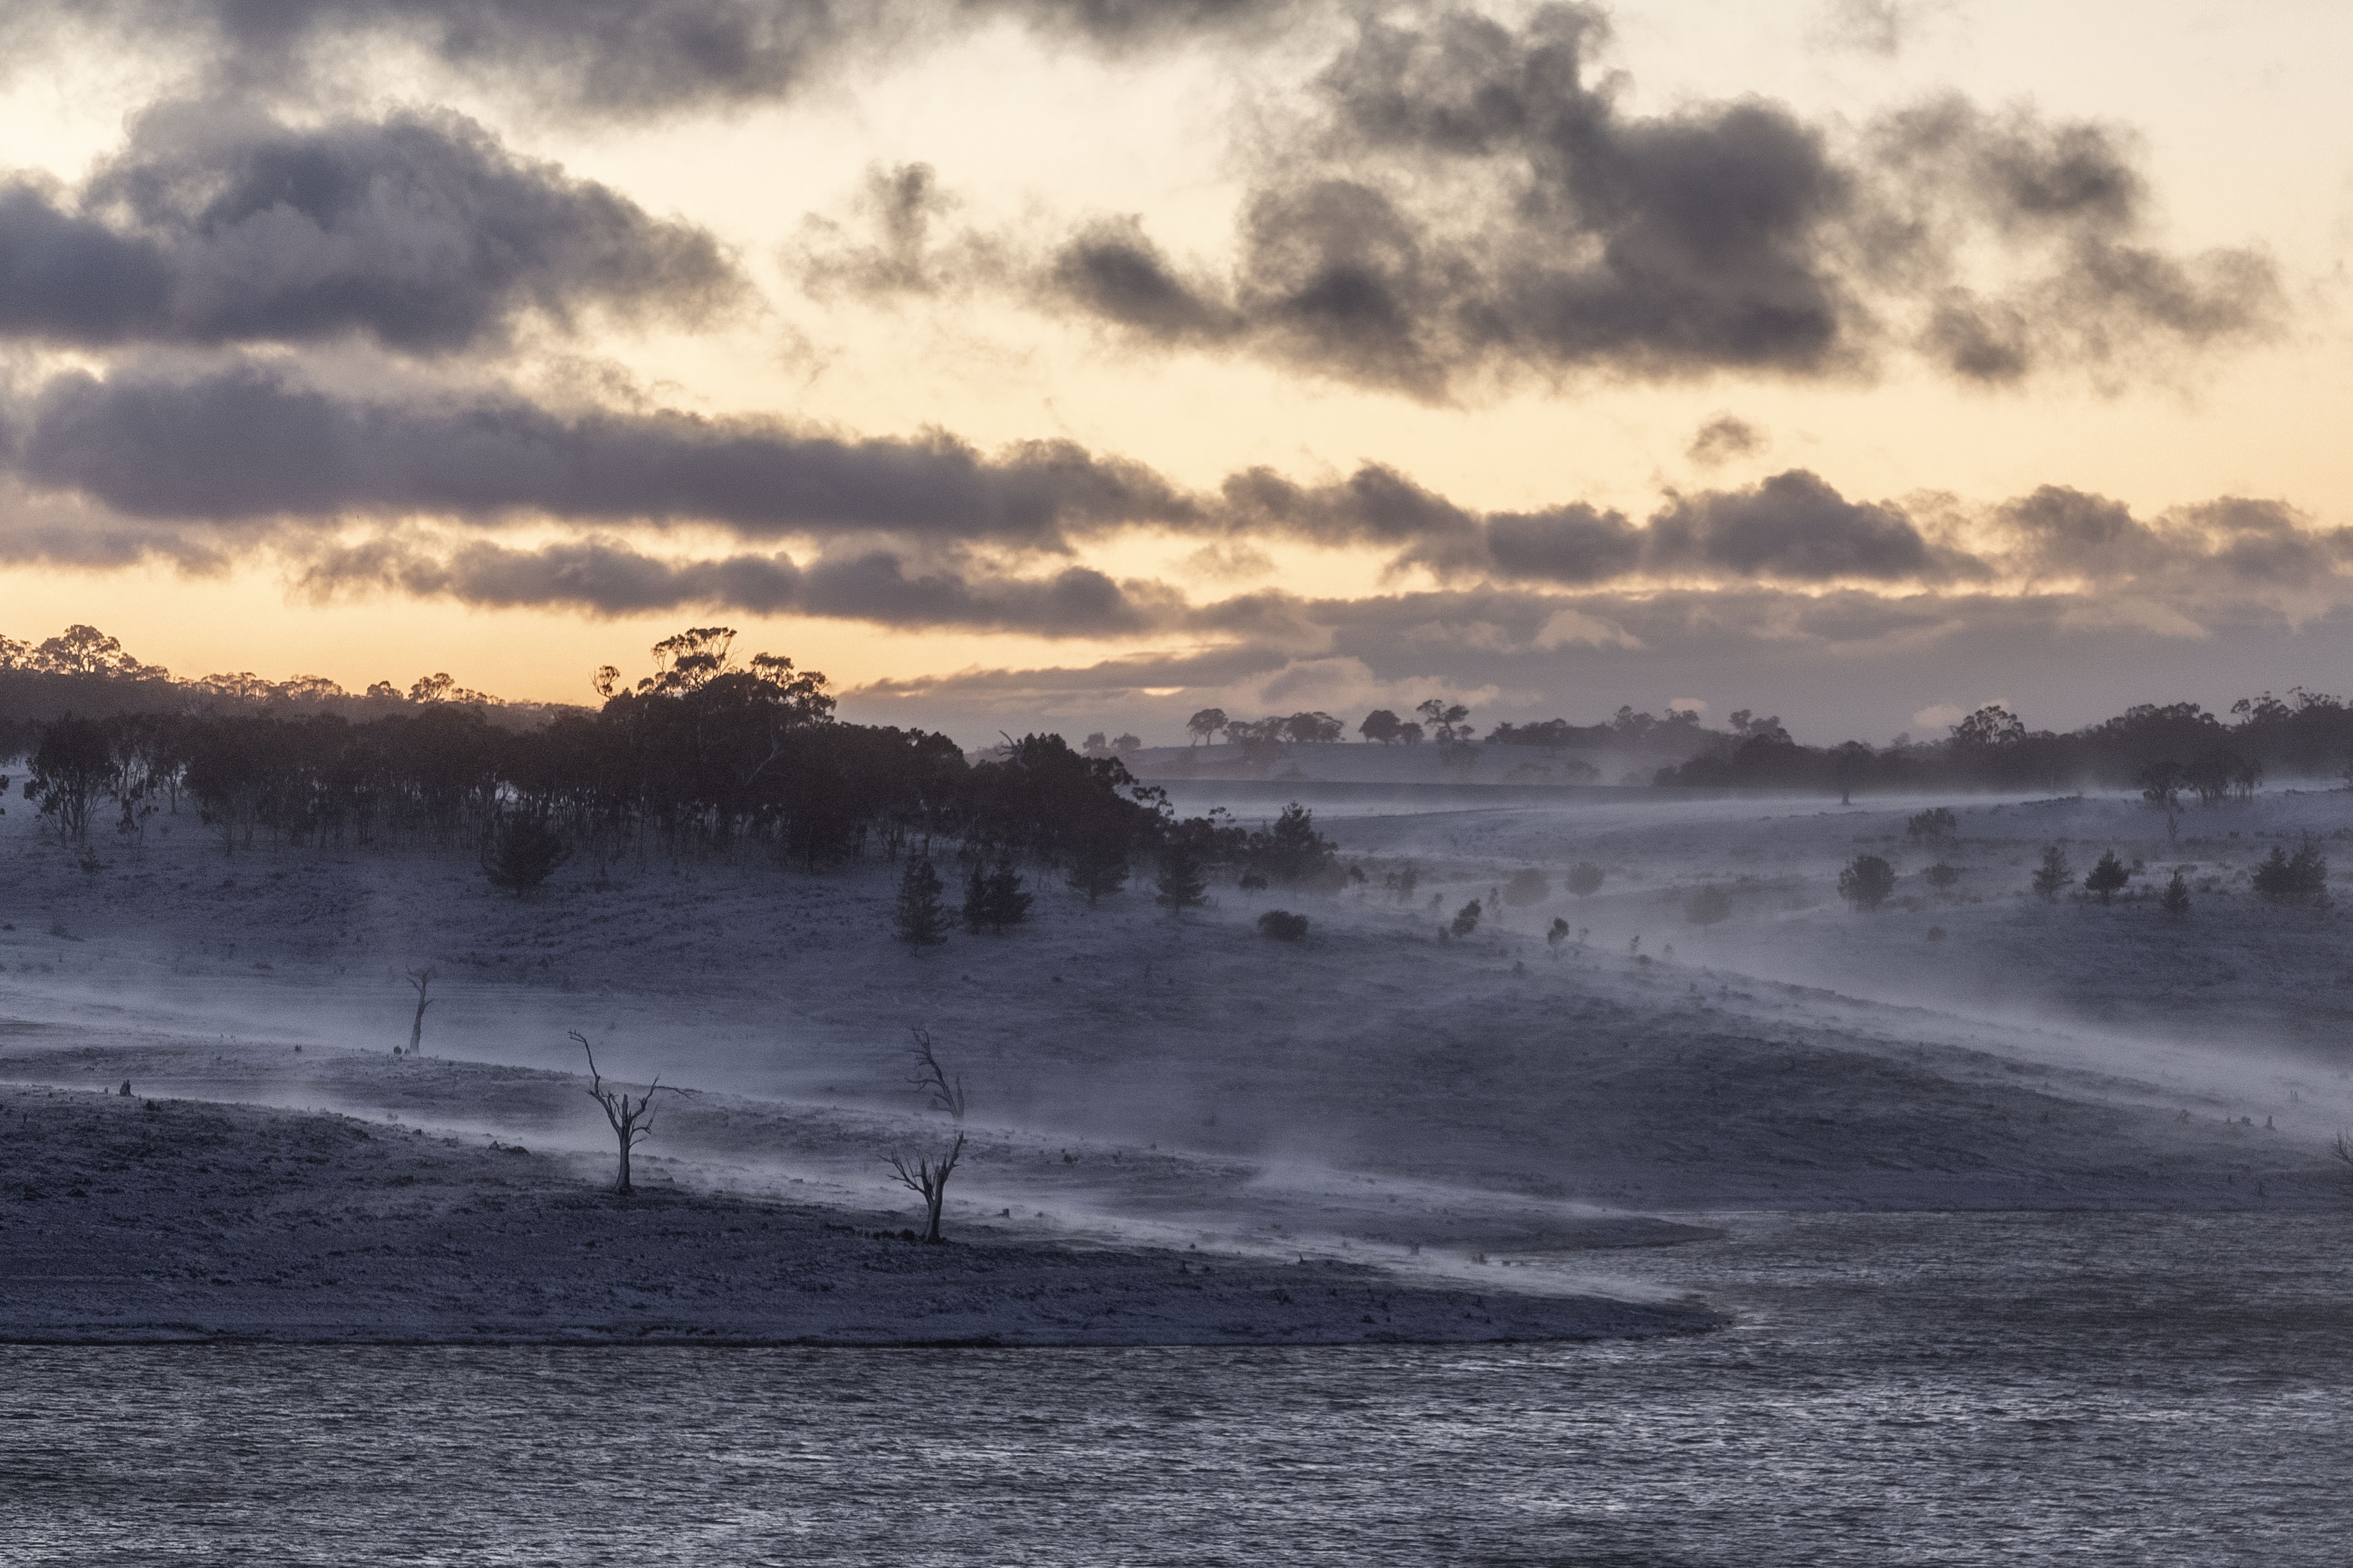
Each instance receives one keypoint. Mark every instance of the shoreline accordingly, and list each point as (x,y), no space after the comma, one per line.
(130,1221)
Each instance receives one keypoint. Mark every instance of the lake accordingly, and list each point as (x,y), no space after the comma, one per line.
(2085,1388)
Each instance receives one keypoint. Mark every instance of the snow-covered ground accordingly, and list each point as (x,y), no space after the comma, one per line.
(1373,1098)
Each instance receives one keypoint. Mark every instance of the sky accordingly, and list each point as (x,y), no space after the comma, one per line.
(1078,364)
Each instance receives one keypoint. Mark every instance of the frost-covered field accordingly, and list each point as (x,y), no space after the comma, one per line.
(1417,1119)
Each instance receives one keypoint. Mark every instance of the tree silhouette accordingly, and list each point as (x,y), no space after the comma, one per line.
(1003,901)
(2175,900)
(927,1174)
(1707,905)
(1466,919)
(521,851)
(632,1120)
(1936,823)
(1184,881)
(1850,767)
(1866,881)
(1585,879)
(994,898)
(1205,723)
(2298,879)
(421,980)
(918,917)
(2054,875)
(1448,720)
(2161,786)
(1283,925)
(2106,877)
(69,771)
(1099,862)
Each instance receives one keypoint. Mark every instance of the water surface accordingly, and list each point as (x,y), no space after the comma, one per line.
(1902,1389)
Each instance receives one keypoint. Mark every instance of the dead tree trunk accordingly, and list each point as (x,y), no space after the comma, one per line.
(632,1120)
(419,978)
(928,1174)
(934,1079)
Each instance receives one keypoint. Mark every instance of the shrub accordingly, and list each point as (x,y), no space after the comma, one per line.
(1941,876)
(1281,925)
(1183,882)
(1938,822)
(994,898)
(1557,935)
(1527,887)
(1866,881)
(1252,882)
(2107,878)
(1099,864)
(2175,900)
(1707,905)
(920,918)
(1466,919)
(2054,877)
(521,851)
(2298,879)
(1585,880)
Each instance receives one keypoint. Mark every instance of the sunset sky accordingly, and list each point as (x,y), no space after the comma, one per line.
(1079,364)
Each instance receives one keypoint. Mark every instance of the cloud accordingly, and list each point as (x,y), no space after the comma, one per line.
(900,209)
(419,230)
(608,577)
(1793,526)
(601,58)
(189,464)
(1724,439)
(1881,28)
(1113,270)
(251,441)
(1471,201)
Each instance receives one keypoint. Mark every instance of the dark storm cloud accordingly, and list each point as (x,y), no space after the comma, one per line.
(419,230)
(249,441)
(607,577)
(1472,200)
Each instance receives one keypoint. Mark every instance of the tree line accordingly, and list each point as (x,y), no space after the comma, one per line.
(2170,751)
(707,755)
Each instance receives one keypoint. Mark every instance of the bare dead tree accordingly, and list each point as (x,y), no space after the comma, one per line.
(927,1175)
(2343,1147)
(632,1120)
(420,979)
(934,1081)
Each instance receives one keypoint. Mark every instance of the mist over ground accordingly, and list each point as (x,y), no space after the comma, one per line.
(1381,1084)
